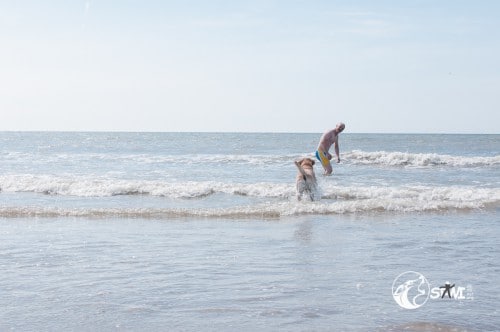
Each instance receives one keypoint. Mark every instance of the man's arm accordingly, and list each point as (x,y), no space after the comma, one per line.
(337,149)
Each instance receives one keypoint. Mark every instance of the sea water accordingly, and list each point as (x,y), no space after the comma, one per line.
(204,231)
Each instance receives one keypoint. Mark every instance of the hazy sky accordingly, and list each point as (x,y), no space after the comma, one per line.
(257,65)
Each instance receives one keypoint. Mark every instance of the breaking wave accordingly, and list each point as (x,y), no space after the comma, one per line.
(276,200)
(90,187)
(394,158)
(417,159)
(268,210)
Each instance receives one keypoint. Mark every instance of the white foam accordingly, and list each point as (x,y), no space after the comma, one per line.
(84,186)
(280,197)
(395,158)
(417,159)
(267,210)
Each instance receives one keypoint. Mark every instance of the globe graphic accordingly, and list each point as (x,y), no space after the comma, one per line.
(410,290)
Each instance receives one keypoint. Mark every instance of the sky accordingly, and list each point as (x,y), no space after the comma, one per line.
(250,66)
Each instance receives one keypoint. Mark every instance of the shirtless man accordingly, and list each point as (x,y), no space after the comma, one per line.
(326,141)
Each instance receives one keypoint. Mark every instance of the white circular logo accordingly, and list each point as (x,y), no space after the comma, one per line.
(410,290)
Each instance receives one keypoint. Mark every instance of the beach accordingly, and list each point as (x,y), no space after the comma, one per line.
(203,231)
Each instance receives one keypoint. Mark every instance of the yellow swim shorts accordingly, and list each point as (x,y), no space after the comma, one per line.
(321,155)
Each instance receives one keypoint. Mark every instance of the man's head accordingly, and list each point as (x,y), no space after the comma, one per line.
(340,127)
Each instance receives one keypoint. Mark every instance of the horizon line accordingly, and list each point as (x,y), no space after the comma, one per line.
(239,132)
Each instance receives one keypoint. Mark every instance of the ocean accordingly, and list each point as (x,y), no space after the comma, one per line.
(203,231)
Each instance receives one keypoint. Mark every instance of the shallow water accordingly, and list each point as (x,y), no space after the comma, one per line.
(232,175)
(192,231)
(299,273)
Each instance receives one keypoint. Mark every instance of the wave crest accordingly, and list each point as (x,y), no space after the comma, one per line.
(280,201)
(87,187)
(265,211)
(417,159)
